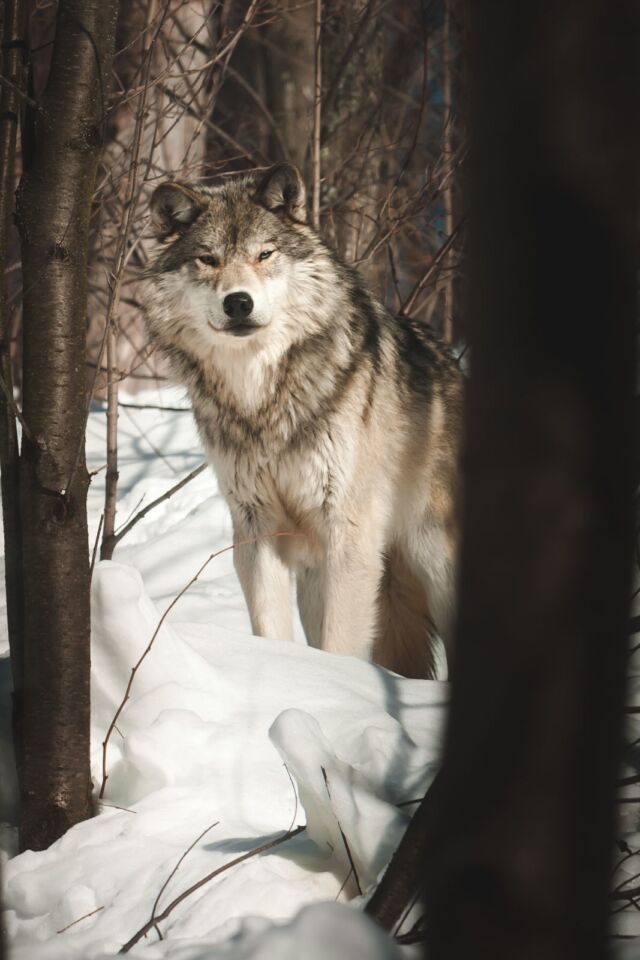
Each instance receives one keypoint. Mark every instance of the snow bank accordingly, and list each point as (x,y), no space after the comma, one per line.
(256,736)
(222,728)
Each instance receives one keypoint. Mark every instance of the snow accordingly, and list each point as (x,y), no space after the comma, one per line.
(245,736)
(226,743)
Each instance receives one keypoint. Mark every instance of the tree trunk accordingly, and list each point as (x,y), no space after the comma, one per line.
(54,206)
(290,75)
(11,104)
(352,160)
(519,860)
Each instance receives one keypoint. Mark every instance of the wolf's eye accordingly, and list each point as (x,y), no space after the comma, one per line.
(209,261)
(265,254)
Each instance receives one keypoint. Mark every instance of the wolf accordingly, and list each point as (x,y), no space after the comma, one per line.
(324,416)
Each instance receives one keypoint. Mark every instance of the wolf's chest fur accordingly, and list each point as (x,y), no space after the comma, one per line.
(272,451)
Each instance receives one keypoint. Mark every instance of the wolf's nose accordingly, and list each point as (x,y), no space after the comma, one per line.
(238,306)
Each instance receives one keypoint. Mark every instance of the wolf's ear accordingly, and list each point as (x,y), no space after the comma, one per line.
(173,208)
(282,191)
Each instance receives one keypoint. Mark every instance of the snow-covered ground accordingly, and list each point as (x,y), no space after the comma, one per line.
(247,737)
(226,743)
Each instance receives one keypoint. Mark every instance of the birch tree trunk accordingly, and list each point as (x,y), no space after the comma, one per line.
(53,214)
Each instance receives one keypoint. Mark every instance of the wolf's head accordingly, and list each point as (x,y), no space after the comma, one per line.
(238,258)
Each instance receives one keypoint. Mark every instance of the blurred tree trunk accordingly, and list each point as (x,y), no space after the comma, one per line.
(353,49)
(55,198)
(518,861)
(11,106)
(289,81)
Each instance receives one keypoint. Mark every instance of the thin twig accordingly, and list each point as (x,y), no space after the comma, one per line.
(20,93)
(155,503)
(86,915)
(153,919)
(433,266)
(407,910)
(343,885)
(116,806)
(153,406)
(95,546)
(210,876)
(342,834)
(15,409)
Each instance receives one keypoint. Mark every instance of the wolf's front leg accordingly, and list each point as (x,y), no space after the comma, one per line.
(352,578)
(266,584)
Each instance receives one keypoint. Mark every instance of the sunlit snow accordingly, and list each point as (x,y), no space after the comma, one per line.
(252,735)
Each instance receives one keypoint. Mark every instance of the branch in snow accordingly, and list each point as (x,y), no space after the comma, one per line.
(200,883)
(153,919)
(344,839)
(84,917)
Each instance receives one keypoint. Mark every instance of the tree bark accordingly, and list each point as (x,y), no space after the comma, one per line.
(518,862)
(11,106)
(53,213)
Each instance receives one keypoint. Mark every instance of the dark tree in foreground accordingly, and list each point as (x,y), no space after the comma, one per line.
(54,206)
(517,835)
(522,870)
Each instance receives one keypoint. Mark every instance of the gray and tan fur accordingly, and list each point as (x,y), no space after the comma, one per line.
(322,414)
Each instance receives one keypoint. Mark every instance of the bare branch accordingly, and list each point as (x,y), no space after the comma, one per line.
(153,919)
(95,545)
(200,883)
(84,917)
(117,537)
